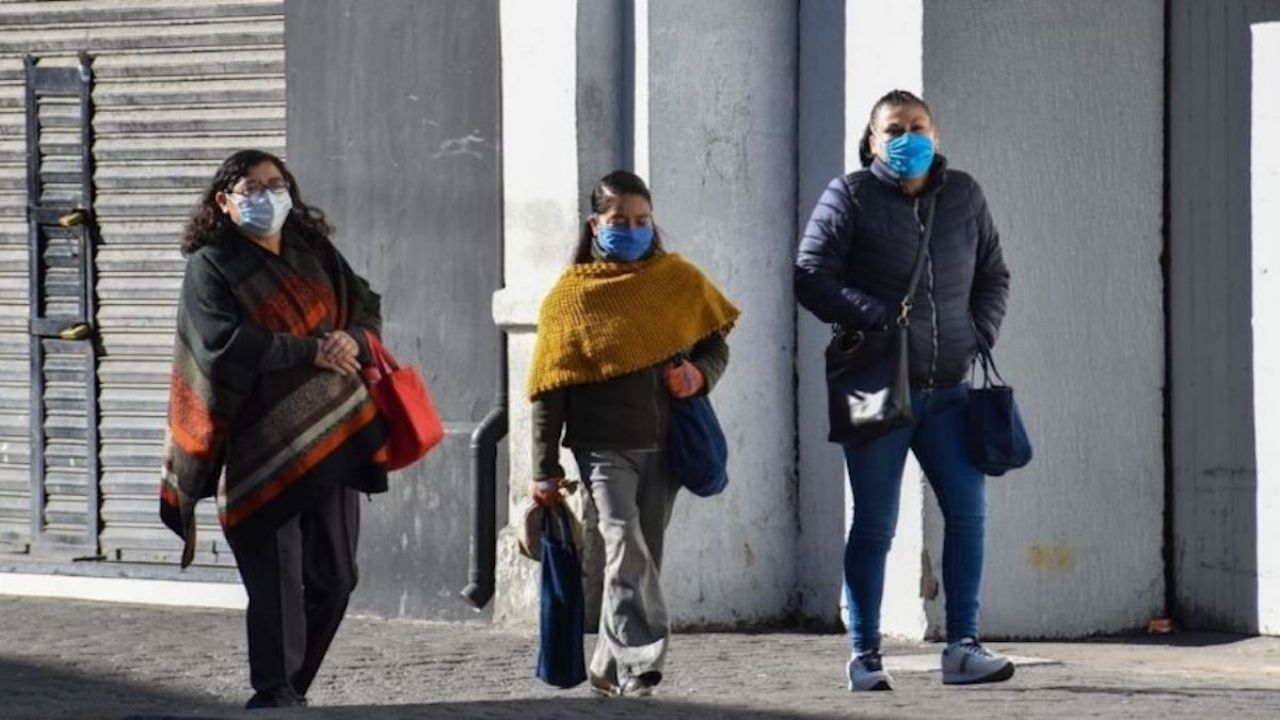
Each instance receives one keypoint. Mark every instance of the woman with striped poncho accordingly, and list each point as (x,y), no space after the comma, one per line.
(267,412)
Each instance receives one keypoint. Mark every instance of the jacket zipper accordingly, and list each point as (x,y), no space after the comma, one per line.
(933,310)
(933,307)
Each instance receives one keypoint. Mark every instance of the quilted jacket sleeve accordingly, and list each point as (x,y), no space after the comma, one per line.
(990,294)
(820,270)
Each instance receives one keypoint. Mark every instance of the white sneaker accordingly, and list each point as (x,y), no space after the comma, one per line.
(969,663)
(866,672)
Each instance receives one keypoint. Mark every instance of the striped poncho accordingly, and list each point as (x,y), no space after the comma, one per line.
(251,419)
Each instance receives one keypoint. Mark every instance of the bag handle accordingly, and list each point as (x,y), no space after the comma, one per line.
(382,359)
(560,522)
(987,362)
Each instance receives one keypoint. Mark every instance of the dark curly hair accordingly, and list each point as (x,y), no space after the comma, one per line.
(611,186)
(208,224)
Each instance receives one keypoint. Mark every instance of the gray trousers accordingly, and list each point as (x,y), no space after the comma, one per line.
(633,493)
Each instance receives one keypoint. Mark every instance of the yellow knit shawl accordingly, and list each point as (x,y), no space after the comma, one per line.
(603,320)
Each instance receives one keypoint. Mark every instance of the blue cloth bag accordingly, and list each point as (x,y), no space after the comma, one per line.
(998,439)
(696,448)
(561,661)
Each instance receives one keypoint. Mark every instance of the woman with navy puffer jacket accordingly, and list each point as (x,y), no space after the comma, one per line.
(855,264)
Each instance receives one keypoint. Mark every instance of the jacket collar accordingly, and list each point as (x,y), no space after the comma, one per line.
(937,176)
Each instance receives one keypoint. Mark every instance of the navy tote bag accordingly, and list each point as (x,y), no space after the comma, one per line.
(697,451)
(998,439)
(561,661)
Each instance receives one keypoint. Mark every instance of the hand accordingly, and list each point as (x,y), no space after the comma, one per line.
(338,353)
(342,365)
(546,492)
(339,344)
(683,379)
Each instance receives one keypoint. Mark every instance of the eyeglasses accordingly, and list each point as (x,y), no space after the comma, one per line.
(253,188)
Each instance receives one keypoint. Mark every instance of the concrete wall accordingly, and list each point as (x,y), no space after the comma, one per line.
(723,174)
(1214,475)
(392,129)
(605,88)
(1056,108)
(1265,197)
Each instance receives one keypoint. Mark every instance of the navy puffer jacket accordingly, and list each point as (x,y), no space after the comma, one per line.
(855,261)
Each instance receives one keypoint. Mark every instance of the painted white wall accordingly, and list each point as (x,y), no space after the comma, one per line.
(1057,109)
(884,51)
(1212,434)
(1266,314)
(540,194)
(641,89)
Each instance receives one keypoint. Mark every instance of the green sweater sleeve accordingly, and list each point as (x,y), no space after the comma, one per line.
(549,412)
(711,355)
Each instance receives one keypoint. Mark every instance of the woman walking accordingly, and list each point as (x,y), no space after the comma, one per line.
(266,395)
(627,328)
(855,263)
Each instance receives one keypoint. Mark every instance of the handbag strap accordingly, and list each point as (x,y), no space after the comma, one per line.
(987,362)
(917,270)
(556,525)
(382,359)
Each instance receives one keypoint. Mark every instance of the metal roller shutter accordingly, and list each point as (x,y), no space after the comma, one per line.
(180,84)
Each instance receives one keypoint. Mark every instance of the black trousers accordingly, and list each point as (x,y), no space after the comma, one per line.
(299,579)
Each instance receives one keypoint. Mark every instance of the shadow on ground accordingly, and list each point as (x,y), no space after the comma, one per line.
(31,691)
(39,691)
(1177,639)
(560,709)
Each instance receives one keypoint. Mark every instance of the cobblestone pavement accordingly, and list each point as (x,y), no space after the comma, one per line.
(72,659)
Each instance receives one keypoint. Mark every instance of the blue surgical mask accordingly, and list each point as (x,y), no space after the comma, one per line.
(263,213)
(625,243)
(910,155)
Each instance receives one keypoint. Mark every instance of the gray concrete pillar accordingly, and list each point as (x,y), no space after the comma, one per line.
(821,490)
(722,134)
(1063,131)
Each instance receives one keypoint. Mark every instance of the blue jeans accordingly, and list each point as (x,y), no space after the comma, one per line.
(938,439)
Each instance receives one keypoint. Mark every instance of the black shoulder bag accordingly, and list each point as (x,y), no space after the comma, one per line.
(869,371)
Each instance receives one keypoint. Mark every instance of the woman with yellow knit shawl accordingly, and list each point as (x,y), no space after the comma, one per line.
(626,328)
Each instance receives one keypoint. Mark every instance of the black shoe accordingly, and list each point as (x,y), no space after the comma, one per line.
(274,698)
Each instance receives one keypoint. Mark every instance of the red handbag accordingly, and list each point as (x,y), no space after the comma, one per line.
(403,401)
